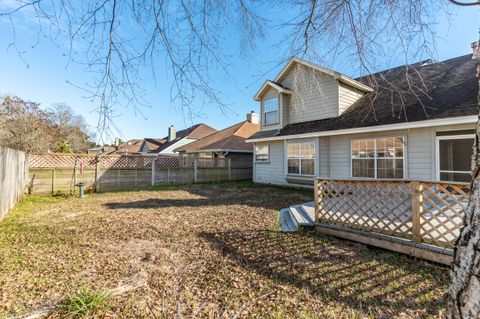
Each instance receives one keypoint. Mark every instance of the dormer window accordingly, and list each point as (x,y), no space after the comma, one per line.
(270,111)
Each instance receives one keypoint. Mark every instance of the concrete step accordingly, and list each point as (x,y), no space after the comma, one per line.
(309,210)
(301,216)
(287,222)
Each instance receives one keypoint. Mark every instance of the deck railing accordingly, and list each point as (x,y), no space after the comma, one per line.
(423,211)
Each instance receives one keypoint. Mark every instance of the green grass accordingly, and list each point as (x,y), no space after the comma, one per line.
(85,303)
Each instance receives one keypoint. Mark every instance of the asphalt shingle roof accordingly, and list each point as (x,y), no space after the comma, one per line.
(231,138)
(451,91)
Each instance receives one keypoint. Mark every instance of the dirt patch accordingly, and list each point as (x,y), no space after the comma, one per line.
(203,251)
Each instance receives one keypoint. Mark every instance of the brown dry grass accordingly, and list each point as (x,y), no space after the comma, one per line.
(202,251)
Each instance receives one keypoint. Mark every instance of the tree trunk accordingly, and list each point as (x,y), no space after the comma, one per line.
(464,290)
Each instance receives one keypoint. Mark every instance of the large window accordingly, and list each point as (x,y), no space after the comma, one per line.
(454,158)
(378,158)
(261,153)
(270,111)
(301,158)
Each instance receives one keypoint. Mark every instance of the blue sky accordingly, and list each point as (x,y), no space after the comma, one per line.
(43,76)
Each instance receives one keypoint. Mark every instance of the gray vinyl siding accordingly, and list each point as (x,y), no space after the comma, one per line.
(324,156)
(421,154)
(340,156)
(315,95)
(334,155)
(347,96)
(273,171)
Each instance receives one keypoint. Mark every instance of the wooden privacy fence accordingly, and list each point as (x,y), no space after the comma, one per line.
(425,212)
(59,173)
(13,171)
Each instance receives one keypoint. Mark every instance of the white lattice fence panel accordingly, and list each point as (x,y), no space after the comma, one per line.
(380,206)
(442,211)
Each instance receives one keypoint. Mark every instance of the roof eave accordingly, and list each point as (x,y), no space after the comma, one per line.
(271,84)
(469,119)
(337,75)
(219,150)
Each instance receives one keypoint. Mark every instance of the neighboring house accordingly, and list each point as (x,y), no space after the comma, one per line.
(227,143)
(318,122)
(167,145)
(128,148)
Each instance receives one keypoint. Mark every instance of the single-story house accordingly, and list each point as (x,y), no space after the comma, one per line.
(227,143)
(316,122)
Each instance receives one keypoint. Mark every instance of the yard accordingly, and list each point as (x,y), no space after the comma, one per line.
(203,251)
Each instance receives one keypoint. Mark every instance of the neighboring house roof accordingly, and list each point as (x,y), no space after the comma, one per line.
(130,146)
(154,143)
(231,139)
(194,132)
(434,91)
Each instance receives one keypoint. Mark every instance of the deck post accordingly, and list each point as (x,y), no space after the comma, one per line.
(416,189)
(317,194)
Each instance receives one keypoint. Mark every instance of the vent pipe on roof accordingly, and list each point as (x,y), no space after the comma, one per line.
(253,117)
(172,133)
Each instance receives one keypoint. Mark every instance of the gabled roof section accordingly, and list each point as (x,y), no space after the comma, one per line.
(197,131)
(336,75)
(231,139)
(270,84)
(451,88)
(129,147)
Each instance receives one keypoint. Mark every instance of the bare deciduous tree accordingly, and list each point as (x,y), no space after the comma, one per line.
(25,126)
(186,35)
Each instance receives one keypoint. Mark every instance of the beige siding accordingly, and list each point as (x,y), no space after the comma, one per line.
(271,93)
(347,96)
(273,171)
(315,95)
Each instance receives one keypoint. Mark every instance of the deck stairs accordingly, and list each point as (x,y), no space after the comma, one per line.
(296,216)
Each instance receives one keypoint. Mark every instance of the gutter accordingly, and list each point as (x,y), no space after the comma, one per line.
(470,119)
(215,150)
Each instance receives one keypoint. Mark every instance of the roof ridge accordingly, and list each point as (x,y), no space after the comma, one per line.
(415,64)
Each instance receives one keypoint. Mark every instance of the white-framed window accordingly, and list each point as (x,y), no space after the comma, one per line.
(270,111)
(378,158)
(262,153)
(301,158)
(454,156)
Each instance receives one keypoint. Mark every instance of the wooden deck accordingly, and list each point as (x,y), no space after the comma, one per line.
(420,218)
(423,214)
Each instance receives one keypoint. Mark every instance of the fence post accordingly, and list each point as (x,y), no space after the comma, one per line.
(153,172)
(195,170)
(229,169)
(53,181)
(416,189)
(97,175)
